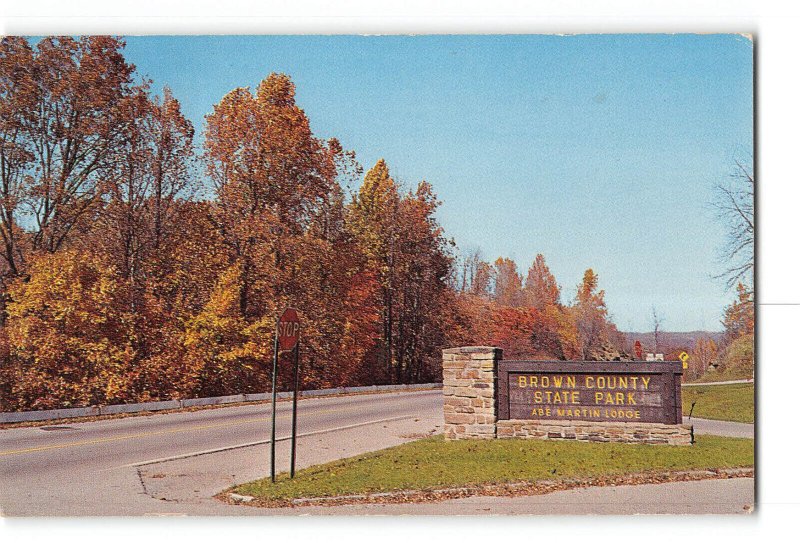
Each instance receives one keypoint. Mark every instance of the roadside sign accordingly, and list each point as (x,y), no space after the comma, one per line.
(287,337)
(637,349)
(288,329)
(684,356)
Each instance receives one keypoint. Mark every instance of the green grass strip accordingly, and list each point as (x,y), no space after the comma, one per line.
(435,463)
(720,402)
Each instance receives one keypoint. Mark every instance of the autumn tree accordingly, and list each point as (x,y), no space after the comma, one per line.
(590,315)
(152,171)
(75,125)
(280,211)
(703,355)
(425,298)
(69,328)
(374,221)
(477,276)
(541,289)
(92,169)
(739,319)
(737,349)
(58,124)
(271,176)
(120,283)
(508,283)
(484,280)
(17,96)
(735,205)
(469,264)
(406,248)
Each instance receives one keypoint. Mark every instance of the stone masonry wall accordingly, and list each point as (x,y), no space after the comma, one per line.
(470,379)
(619,432)
(470,409)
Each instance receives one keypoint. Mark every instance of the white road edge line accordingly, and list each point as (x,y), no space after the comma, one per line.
(254,443)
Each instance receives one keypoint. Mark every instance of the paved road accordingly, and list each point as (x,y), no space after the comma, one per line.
(721,427)
(173,464)
(117,467)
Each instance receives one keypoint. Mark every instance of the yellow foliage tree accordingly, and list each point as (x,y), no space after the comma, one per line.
(70,334)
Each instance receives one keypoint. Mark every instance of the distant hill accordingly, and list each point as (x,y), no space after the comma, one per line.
(670,340)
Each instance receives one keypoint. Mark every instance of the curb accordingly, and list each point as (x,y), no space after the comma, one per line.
(500,489)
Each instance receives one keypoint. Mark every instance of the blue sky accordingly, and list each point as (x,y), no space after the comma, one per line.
(597,151)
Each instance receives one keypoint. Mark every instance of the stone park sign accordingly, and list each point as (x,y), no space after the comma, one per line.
(596,391)
(487,397)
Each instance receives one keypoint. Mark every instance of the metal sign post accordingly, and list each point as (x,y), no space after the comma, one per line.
(287,335)
(294,405)
(274,400)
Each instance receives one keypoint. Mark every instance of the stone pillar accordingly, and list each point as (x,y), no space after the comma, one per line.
(469,382)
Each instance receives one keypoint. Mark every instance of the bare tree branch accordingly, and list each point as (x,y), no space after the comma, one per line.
(734,204)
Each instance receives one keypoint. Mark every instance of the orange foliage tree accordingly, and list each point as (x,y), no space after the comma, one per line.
(121,281)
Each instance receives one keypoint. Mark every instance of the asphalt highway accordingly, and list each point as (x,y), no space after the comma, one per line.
(95,467)
(174,463)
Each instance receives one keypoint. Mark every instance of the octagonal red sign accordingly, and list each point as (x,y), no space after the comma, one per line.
(288,329)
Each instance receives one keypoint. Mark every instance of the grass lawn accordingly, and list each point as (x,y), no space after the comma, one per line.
(435,463)
(720,402)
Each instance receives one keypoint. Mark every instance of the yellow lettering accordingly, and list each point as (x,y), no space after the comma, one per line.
(532,381)
(623,382)
(631,401)
(557,381)
(522,382)
(646,382)
(601,382)
(576,397)
(589,382)
(545,380)
(556,398)
(633,382)
(598,397)
(537,396)
(609,399)
(571,381)
(619,398)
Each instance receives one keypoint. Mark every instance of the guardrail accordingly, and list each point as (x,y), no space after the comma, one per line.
(93,411)
(715,383)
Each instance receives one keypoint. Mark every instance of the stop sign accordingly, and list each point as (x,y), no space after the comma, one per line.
(288,329)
